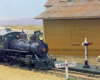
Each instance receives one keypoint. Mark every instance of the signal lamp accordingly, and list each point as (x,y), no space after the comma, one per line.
(90,43)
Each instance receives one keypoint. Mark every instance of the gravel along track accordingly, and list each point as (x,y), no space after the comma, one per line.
(80,75)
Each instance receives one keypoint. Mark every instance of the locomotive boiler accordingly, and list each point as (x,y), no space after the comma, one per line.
(16,49)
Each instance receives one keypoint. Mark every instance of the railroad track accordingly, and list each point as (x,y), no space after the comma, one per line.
(61,72)
(81,75)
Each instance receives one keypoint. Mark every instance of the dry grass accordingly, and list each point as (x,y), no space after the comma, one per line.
(8,73)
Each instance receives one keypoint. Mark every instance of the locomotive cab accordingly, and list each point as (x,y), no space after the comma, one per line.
(1,42)
(6,36)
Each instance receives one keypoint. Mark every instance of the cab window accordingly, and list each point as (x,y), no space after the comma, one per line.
(1,39)
(5,39)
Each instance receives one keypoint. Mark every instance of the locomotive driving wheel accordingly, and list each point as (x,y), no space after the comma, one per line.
(1,56)
(9,59)
(11,62)
(20,62)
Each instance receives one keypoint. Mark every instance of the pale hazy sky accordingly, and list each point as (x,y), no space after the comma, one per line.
(14,9)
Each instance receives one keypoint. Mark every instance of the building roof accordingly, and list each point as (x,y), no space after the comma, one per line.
(50,3)
(72,10)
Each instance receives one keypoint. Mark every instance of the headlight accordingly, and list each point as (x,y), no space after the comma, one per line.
(41,37)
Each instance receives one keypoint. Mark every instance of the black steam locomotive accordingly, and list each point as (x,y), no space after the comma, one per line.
(16,49)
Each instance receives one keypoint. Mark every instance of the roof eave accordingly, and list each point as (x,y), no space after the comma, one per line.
(69,17)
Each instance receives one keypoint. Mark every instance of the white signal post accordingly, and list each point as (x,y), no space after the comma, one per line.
(66,65)
(66,69)
(85,44)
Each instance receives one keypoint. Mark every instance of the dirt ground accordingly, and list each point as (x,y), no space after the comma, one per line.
(9,73)
(78,59)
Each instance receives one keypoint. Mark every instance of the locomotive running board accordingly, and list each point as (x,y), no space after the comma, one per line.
(15,50)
